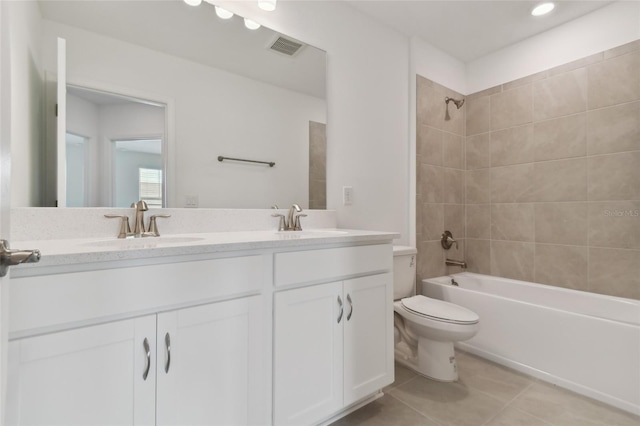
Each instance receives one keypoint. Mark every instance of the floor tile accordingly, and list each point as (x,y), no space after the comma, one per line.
(496,380)
(403,375)
(514,417)
(385,411)
(448,403)
(564,408)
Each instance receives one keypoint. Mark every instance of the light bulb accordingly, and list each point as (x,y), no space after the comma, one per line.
(268,5)
(251,24)
(543,9)
(193,2)
(223,13)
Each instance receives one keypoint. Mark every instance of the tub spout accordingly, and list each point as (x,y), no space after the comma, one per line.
(453,262)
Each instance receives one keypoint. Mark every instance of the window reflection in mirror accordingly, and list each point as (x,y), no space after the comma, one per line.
(111,137)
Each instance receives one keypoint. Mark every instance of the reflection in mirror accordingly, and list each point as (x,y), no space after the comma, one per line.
(113,138)
(226,92)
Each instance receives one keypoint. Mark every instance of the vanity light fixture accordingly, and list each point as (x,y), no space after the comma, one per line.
(223,13)
(268,5)
(251,24)
(542,9)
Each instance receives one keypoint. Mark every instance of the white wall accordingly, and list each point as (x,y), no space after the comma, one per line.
(216,113)
(368,96)
(603,29)
(27,100)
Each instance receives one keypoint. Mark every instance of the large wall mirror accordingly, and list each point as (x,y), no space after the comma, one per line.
(156,91)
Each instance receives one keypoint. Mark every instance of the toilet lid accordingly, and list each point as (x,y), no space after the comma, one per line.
(440,310)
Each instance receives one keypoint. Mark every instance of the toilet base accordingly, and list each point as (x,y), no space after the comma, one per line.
(435,360)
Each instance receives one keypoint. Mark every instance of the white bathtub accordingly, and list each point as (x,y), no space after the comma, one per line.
(585,342)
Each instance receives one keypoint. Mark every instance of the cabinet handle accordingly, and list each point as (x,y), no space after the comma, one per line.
(351,306)
(167,342)
(341,309)
(147,349)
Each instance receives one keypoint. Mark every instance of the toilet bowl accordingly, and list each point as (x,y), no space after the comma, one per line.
(426,328)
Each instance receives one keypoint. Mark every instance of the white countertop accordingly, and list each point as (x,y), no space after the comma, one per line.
(90,250)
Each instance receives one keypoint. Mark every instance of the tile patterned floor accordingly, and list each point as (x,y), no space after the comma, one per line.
(487,394)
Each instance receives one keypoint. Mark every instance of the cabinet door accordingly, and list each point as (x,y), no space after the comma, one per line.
(307,354)
(211,365)
(368,336)
(86,376)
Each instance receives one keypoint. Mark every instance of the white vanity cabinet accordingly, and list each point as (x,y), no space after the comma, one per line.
(202,364)
(91,375)
(333,342)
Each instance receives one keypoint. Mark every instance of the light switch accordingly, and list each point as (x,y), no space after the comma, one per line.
(191,201)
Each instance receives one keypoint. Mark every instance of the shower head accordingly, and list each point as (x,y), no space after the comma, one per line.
(457,102)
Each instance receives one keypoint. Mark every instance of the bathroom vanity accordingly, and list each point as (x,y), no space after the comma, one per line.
(229,328)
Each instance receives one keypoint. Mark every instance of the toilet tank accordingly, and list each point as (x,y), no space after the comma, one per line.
(404,271)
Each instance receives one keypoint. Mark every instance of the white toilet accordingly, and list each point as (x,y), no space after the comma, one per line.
(426,328)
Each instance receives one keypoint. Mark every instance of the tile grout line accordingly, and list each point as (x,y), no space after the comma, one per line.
(413,409)
(507,404)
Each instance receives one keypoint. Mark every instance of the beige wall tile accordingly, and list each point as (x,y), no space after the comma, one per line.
(478,223)
(512,259)
(621,50)
(432,106)
(615,224)
(423,88)
(454,220)
(478,256)
(486,92)
(478,151)
(614,80)
(431,184)
(561,223)
(453,186)
(478,186)
(614,177)
(614,129)
(512,184)
(512,107)
(582,62)
(430,259)
(478,115)
(560,95)
(512,146)
(615,272)
(453,150)
(525,80)
(563,266)
(560,180)
(564,137)
(432,220)
(429,145)
(513,222)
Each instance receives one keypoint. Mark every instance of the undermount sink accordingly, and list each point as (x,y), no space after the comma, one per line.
(144,242)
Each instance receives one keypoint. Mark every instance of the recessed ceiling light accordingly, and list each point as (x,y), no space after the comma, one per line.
(193,2)
(223,13)
(542,9)
(251,24)
(268,5)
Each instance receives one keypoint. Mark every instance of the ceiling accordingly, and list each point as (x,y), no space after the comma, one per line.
(198,35)
(468,30)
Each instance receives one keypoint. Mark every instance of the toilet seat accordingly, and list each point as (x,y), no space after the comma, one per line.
(439,310)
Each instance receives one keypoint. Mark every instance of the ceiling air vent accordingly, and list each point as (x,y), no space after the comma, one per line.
(286,46)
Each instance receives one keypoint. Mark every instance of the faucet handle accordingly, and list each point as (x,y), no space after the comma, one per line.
(283,223)
(153,225)
(296,223)
(125,229)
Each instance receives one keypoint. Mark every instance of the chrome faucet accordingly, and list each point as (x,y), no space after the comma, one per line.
(292,221)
